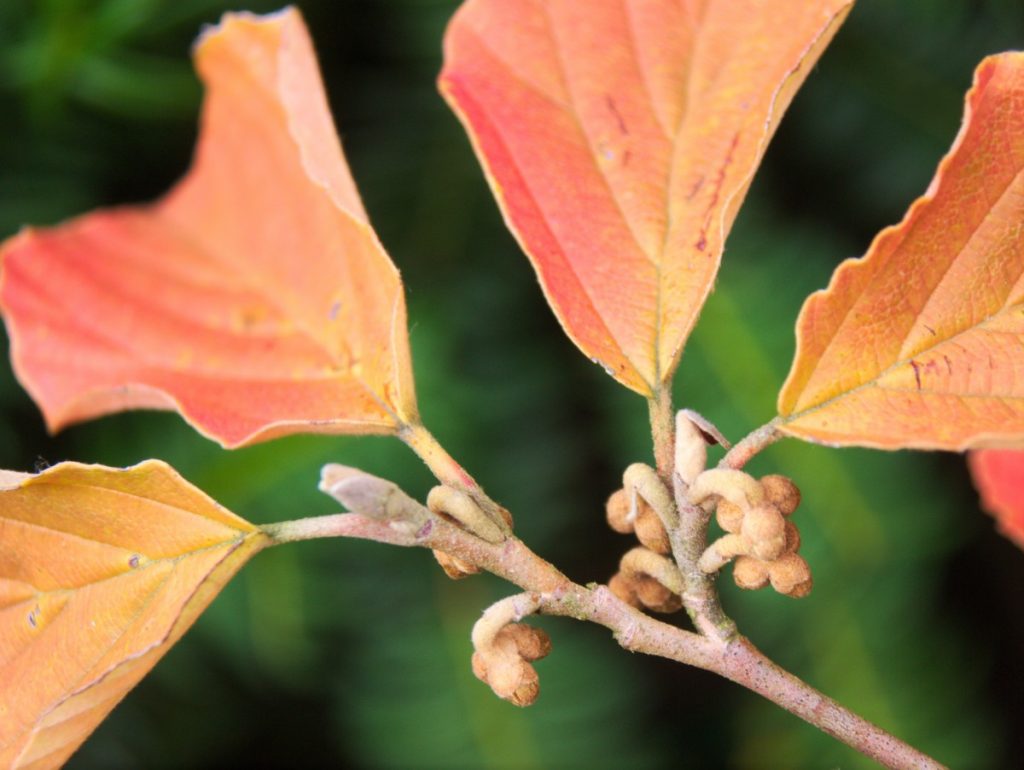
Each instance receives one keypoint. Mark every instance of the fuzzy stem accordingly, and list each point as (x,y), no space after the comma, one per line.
(663,429)
(689,540)
(739,661)
(751,444)
(399,520)
(744,664)
(441,464)
(336,525)
(448,471)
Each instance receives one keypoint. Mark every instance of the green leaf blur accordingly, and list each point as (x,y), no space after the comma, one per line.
(355,654)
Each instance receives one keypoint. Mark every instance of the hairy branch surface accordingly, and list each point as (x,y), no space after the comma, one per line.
(384,513)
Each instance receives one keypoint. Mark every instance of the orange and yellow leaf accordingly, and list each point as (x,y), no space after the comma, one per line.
(620,137)
(920,343)
(999,476)
(101,571)
(255,298)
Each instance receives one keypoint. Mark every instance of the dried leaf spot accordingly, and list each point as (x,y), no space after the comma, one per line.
(249,317)
(619,120)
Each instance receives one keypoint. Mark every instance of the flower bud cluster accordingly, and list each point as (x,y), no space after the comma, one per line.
(640,519)
(504,663)
(759,535)
(648,580)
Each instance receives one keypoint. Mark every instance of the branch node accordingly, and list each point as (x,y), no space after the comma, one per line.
(459,508)
(463,509)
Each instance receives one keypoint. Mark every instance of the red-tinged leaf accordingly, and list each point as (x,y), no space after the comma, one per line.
(101,571)
(999,476)
(620,137)
(255,298)
(920,343)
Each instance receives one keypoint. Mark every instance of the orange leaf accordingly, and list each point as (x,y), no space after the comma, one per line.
(255,298)
(999,476)
(919,343)
(619,137)
(101,571)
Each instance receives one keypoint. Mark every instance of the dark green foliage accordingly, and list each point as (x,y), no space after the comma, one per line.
(354,654)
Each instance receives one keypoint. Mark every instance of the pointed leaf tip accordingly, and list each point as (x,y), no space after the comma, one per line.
(620,137)
(255,298)
(920,343)
(101,571)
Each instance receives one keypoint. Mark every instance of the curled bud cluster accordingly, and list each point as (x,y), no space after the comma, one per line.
(644,592)
(648,580)
(504,663)
(759,536)
(641,521)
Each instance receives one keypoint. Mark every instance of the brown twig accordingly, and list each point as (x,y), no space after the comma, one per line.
(387,515)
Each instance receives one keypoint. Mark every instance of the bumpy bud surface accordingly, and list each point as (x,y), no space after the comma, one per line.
(781,492)
(504,665)
(792,538)
(790,575)
(750,573)
(622,586)
(617,510)
(801,590)
(761,540)
(729,516)
(531,643)
(529,687)
(765,527)
(649,530)
(654,596)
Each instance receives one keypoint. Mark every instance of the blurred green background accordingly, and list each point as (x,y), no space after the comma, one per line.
(351,654)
